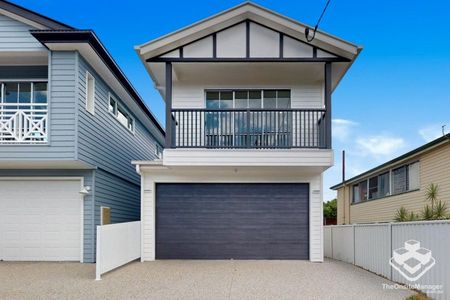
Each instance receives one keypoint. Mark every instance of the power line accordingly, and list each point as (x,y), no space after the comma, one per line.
(317,24)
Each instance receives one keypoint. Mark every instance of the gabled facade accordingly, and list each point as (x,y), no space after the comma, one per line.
(248,136)
(376,195)
(70,124)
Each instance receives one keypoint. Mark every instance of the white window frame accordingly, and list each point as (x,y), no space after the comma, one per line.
(90,93)
(18,81)
(158,151)
(116,111)
(391,182)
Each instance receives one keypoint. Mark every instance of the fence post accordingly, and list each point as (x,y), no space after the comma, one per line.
(390,249)
(354,245)
(98,253)
(331,239)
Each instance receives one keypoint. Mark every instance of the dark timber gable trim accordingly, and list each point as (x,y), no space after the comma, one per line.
(247,57)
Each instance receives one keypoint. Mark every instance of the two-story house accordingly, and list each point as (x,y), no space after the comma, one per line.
(70,124)
(248,137)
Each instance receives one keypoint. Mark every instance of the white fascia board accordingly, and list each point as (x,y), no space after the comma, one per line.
(322,158)
(45,164)
(23,20)
(240,13)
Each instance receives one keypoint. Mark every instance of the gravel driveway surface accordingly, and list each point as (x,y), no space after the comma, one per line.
(188,279)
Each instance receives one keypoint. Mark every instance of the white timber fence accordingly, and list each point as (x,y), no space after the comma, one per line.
(117,245)
(385,249)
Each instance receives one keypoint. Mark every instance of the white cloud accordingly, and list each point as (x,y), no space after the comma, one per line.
(431,132)
(380,145)
(342,128)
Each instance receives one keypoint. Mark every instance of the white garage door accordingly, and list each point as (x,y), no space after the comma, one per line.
(40,220)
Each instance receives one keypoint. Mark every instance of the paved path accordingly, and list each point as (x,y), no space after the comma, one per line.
(194,280)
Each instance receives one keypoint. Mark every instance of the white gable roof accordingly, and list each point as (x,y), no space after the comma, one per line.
(251,11)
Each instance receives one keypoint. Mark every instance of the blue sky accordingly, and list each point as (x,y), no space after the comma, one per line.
(394,98)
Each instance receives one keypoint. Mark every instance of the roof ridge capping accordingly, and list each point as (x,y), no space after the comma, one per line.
(242,11)
(428,146)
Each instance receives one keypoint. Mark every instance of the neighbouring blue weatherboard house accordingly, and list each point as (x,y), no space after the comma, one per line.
(70,124)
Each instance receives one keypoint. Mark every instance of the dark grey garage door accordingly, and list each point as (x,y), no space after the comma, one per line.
(240,221)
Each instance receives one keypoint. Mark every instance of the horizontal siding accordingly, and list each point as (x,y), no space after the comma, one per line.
(102,140)
(123,197)
(88,221)
(248,157)
(433,169)
(61,115)
(15,36)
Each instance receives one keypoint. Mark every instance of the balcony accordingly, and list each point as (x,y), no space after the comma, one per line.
(249,128)
(23,123)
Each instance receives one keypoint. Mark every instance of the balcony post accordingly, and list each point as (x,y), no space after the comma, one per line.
(328,143)
(169,105)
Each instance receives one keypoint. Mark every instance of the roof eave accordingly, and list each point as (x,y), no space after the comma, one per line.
(88,36)
(152,46)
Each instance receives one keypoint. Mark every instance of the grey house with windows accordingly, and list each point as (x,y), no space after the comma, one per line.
(70,124)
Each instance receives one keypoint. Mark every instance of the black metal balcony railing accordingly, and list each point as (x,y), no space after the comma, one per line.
(249,128)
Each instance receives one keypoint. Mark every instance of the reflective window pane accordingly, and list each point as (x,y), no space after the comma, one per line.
(40,92)
(399,182)
(25,92)
(254,94)
(112,106)
(373,187)
(226,95)
(213,104)
(241,103)
(10,92)
(212,96)
(226,104)
(241,95)
(122,116)
(270,99)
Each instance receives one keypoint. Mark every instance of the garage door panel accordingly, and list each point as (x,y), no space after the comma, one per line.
(252,250)
(40,220)
(242,221)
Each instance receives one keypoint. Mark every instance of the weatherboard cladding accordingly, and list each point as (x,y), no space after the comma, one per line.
(89,37)
(15,36)
(61,144)
(102,140)
(122,196)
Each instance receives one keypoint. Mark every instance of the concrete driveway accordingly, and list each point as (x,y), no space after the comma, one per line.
(189,279)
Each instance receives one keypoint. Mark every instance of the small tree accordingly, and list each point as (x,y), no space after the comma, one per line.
(427,213)
(440,211)
(330,209)
(403,215)
(432,194)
